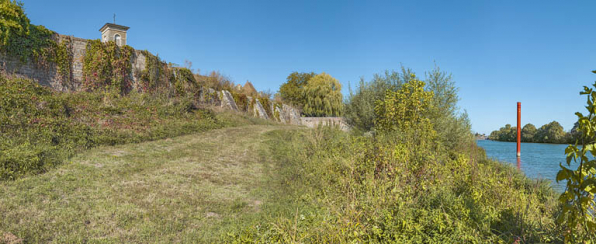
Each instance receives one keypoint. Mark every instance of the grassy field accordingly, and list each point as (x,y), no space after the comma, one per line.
(270,183)
(191,189)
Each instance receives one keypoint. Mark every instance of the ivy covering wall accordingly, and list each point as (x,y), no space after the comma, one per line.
(107,66)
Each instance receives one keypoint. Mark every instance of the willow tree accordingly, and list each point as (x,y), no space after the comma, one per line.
(322,96)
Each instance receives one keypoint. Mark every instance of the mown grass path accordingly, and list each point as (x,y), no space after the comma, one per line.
(190,189)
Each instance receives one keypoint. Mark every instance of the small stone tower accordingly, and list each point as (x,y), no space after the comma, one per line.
(114,32)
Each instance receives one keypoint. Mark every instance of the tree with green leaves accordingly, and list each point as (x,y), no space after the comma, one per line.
(579,207)
(550,133)
(528,132)
(322,96)
(292,90)
(13,21)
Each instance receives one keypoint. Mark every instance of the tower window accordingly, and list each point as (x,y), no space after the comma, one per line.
(117,39)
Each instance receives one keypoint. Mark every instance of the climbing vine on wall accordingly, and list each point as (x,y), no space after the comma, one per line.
(107,66)
(266,105)
(156,75)
(63,58)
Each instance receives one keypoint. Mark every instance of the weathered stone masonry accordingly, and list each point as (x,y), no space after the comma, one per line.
(51,78)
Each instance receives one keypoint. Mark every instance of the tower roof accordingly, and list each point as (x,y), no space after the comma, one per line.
(114,26)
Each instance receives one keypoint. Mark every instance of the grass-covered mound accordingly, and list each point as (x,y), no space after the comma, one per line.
(40,127)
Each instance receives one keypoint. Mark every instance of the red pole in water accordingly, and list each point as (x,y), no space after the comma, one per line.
(518,128)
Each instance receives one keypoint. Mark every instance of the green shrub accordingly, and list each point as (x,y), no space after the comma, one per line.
(241,101)
(185,83)
(360,108)
(266,105)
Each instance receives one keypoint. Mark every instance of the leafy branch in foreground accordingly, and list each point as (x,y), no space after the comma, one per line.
(579,207)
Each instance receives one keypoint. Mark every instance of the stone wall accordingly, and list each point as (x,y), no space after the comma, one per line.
(79,48)
(46,76)
(50,77)
(314,122)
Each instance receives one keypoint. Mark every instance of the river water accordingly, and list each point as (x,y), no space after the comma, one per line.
(538,160)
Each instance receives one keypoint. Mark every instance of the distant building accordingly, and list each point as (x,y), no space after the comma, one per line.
(114,32)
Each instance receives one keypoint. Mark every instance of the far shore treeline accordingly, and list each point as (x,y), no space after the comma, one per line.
(549,133)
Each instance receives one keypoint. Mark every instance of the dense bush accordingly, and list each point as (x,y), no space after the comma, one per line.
(454,129)
(359,109)
(40,128)
(266,103)
(452,126)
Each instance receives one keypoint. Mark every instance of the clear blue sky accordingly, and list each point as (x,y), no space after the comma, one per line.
(499,52)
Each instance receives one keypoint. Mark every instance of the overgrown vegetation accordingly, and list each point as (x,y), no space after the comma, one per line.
(215,80)
(241,101)
(40,128)
(401,185)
